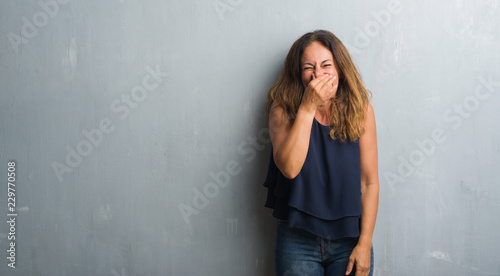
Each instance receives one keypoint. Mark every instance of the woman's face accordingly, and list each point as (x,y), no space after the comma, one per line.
(316,61)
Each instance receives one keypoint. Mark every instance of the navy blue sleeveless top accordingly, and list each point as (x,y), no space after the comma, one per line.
(325,197)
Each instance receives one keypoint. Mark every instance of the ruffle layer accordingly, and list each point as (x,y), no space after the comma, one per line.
(325,197)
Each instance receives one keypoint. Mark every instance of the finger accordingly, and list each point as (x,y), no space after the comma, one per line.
(333,80)
(328,82)
(360,272)
(333,91)
(350,265)
(316,82)
(322,80)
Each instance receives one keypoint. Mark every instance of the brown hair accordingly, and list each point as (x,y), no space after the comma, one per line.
(348,106)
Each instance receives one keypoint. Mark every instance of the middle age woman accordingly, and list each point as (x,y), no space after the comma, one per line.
(323,172)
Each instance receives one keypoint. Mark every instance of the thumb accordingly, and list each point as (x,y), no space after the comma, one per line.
(350,265)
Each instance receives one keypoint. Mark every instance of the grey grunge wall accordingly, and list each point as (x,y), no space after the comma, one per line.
(133,138)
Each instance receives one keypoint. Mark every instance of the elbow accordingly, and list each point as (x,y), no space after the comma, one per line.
(369,185)
(289,169)
(290,173)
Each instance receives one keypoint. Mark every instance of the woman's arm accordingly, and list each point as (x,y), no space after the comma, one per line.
(291,143)
(369,197)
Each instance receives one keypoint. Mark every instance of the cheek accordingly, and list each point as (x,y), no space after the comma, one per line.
(306,78)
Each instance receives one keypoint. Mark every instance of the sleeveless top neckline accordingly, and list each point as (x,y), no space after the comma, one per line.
(325,197)
(316,120)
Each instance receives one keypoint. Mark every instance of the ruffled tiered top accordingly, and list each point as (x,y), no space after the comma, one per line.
(325,197)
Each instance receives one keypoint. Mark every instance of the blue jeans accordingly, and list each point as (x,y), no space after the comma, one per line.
(301,253)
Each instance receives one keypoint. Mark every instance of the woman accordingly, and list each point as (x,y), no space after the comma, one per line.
(323,173)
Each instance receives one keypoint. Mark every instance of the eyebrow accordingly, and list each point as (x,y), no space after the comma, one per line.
(307,63)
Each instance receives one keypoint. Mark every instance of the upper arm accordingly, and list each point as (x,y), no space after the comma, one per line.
(368,150)
(278,127)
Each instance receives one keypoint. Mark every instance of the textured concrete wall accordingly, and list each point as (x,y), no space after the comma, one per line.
(140,143)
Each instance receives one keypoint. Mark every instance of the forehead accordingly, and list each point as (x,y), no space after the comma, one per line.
(316,52)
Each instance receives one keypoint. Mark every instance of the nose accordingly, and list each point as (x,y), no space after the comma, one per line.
(318,72)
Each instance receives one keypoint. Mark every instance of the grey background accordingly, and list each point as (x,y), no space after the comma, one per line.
(117,211)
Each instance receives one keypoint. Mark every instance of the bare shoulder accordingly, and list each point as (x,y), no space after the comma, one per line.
(369,109)
(370,115)
(369,133)
(276,107)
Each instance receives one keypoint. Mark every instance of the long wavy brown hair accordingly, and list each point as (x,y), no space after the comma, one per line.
(348,111)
